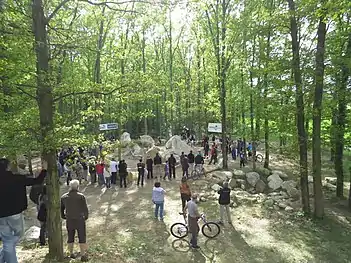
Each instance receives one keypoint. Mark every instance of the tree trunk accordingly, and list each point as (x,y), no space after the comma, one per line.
(300,111)
(317,115)
(341,120)
(171,69)
(253,137)
(46,112)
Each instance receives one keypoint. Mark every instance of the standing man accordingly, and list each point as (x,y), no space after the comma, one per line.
(191,159)
(193,217)
(141,172)
(149,164)
(74,210)
(224,201)
(123,174)
(172,163)
(113,171)
(213,154)
(157,163)
(185,166)
(13,201)
(100,172)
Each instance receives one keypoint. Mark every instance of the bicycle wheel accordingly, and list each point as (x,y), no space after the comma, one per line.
(259,158)
(210,230)
(179,230)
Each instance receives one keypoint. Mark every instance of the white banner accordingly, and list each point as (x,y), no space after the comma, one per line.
(215,127)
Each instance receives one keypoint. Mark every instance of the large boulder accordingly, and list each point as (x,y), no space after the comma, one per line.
(294,194)
(125,138)
(216,187)
(31,235)
(152,152)
(176,144)
(222,175)
(260,186)
(310,179)
(232,183)
(137,150)
(252,178)
(288,185)
(263,171)
(281,174)
(147,140)
(239,174)
(274,182)
(331,180)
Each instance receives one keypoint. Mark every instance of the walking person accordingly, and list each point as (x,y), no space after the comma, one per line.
(191,159)
(113,171)
(158,198)
(122,169)
(206,149)
(13,201)
(141,172)
(224,201)
(100,172)
(74,210)
(213,154)
(149,167)
(107,177)
(68,170)
(233,150)
(242,159)
(185,166)
(172,163)
(42,216)
(158,165)
(92,170)
(185,193)
(193,217)
(85,169)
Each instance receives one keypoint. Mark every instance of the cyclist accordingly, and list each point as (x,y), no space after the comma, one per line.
(199,161)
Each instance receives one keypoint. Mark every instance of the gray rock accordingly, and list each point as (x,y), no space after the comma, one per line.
(239,174)
(260,186)
(331,180)
(276,207)
(294,193)
(252,178)
(216,187)
(289,209)
(281,174)
(263,171)
(243,186)
(269,202)
(147,140)
(287,185)
(233,204)
(274,182)
(125,138)
(282,205)
(222,175)
(310,189)
(240,181)
(232,183)
(203,199)
(329,186)
(32,234)
(310,179)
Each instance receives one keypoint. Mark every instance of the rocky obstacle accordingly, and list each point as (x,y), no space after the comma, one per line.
(177,145)
(125,138)
(31,235)
(147,140)
(252,178)
(274,182)
(152,151)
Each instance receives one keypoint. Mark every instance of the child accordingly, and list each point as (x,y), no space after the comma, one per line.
(167,174)
(42,215)
(158,198)
(107,177)
(242,159)
(185,192)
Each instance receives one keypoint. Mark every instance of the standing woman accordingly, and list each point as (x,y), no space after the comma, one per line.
(185,193)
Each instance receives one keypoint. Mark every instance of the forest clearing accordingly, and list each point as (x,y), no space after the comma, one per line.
(255,93)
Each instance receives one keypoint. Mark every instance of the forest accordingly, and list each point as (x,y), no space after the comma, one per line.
(274,72)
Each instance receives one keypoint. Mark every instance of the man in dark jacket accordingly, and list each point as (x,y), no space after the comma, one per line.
(141,172)
(191,159)
(149,164)
(172,163)
(122,170)
(157,163)
(185,166)
(13,201)
(224,202)
(74,210)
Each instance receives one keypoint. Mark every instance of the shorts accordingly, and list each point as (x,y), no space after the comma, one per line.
(76,224)
(250,154)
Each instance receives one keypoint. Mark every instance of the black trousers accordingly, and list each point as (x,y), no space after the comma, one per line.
(171,171)
(43,231)
(113,177)
(123,180)
(242,162)
(214,159)
(185,198)
(150,173)
(186,172)
(141,177)
(69,177)
(93,177)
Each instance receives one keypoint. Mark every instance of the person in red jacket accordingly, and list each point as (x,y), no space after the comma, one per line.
(100,172)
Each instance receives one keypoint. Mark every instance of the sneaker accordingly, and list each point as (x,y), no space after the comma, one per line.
(195,247)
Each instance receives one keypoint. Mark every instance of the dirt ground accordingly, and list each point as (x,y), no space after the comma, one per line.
(122,228)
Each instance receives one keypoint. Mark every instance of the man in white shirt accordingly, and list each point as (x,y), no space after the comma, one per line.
(193,216)
(113,171)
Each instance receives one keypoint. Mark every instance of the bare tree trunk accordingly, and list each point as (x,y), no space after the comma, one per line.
(46,112)
(253,137)
(300,111)
(317,115)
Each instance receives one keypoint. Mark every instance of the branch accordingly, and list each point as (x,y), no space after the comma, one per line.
(88,92)
(107,4)
(56,10)
(18,86)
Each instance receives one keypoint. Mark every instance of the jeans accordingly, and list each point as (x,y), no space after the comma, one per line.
(221,211)
(108,182)
(101,179)
(141,177)
(159,206)
(11,229)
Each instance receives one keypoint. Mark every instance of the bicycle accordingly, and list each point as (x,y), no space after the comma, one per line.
(197,172)
(180,230)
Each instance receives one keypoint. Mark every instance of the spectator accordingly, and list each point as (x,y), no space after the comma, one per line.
(242,159)
(74,210)
(158,198)
(213,154)
(42,215)
(100,172)
(206,149)
(113,171)
(191,159)
(167,174)
(185,166)
(85,169)
(172,163)
(107,177)
(141,172)
(92,170)
(149,164)
(157,163)
(185,192)
(193,217)
(13,201)
(123,173)
(224,201)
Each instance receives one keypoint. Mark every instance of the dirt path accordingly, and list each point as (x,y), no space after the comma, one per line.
(122,228)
